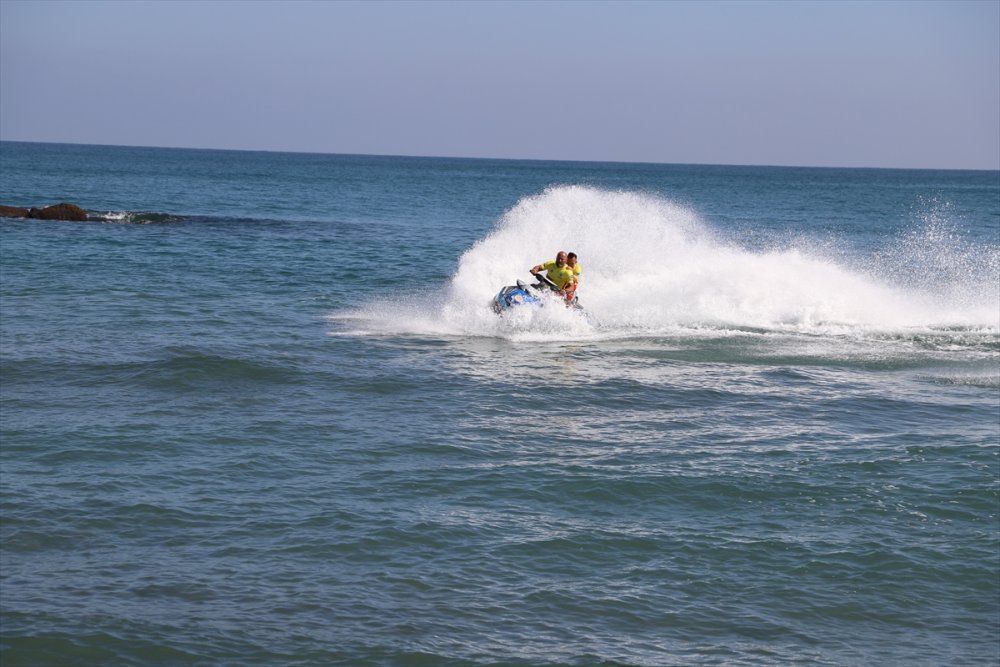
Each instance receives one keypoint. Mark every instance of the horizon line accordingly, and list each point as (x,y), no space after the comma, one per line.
(494,159)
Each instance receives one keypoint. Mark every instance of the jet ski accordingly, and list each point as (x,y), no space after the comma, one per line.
(521,294)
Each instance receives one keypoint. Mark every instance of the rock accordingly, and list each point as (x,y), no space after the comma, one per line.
(62,211)
(13,212)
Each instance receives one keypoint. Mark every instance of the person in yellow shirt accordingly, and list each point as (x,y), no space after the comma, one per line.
(572,263)
(561,274)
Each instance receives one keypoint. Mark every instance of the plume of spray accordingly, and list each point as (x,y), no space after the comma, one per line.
(936,264)
(612,233)
(652,267)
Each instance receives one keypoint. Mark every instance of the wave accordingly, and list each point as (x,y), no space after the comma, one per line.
(155,218)
(182,368)
(652,267)
(133,217)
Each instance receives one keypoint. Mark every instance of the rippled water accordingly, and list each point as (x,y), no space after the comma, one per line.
(258,411)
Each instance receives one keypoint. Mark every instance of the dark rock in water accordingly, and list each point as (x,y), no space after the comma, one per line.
(13,212)
(62,211)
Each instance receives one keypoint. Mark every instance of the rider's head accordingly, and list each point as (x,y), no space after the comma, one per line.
(560,258)
(571,259)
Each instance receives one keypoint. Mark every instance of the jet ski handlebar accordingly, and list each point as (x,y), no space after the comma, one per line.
(545,281)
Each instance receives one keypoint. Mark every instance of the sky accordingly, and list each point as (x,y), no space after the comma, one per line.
(911,84)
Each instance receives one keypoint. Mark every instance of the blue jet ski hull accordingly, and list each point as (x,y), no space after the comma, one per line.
(513,296)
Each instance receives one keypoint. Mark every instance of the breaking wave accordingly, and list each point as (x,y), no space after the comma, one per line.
(133,217)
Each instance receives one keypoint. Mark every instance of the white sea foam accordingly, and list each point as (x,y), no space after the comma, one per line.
(115,216)
(652,267)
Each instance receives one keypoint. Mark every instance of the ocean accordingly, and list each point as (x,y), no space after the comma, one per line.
(258,411)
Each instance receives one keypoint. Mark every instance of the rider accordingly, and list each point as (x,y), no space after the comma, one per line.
(560,273)
(577,271)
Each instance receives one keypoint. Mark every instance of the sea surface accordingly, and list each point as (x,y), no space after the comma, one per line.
(258,411)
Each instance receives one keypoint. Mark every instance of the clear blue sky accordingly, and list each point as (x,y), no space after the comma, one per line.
(879,84)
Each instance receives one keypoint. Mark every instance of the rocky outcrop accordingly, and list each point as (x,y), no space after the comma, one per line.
(59,212)
(62,211)
(13,212)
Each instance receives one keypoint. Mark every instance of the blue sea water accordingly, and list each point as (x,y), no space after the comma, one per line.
(258,411)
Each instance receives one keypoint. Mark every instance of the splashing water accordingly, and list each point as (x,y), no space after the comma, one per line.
(936,264)
(652,268)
